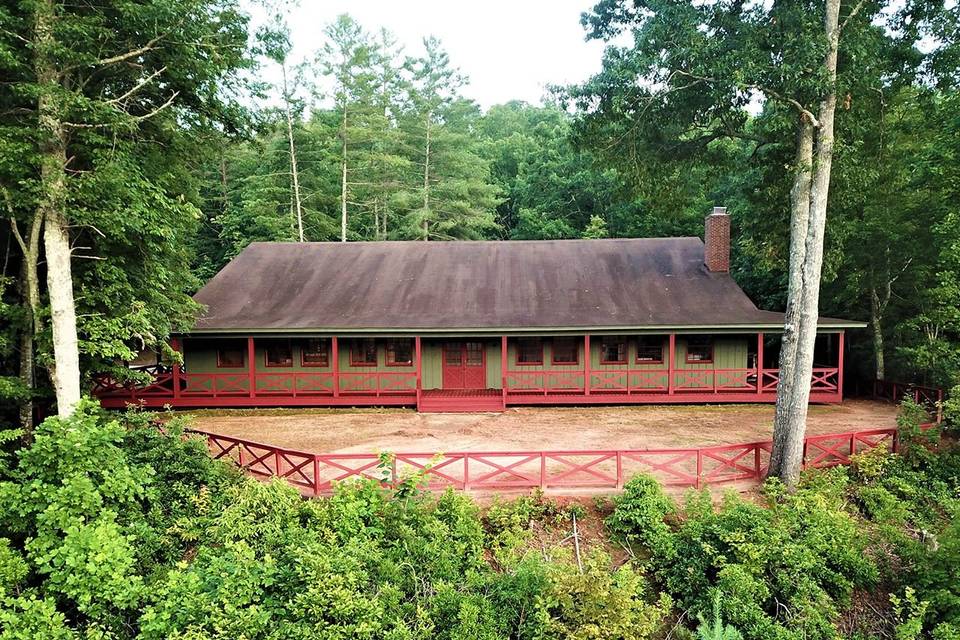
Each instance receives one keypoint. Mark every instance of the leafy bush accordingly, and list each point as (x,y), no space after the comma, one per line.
(786,568)
(113,528)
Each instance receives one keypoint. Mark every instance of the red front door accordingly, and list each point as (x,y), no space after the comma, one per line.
(464,365)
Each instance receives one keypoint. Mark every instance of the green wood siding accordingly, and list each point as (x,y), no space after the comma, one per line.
(200,356)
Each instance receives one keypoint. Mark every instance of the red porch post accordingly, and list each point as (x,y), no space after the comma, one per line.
(672,356)
(840,367)
(252,366)
(586,364)
(335,354)
(759,363)
(175,345)
(503,368)
(416,348)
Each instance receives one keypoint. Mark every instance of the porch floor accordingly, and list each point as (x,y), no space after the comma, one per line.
(530,428)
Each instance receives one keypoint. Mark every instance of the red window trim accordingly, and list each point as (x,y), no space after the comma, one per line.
(709,360)
(638,360)
(391,362)
(576,352)
(530,363)
(243,360)
(626,355)
(354,353)
(266,358)
(326,354)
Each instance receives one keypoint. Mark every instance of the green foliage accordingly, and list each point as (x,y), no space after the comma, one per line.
(599,604)
(801,554)
(640,511)
(714,628)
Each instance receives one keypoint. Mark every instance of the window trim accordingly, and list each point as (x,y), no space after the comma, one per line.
(326,353)
(243,360)
(638,360)
(708,360)
(269,365)
(626,351)
(576,352)
(392,363)
(354,352)
(531,363)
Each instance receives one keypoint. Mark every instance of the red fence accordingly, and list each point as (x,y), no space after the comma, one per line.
(929,397)
(494,470)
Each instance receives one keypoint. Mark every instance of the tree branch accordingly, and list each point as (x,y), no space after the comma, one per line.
(136,87)
(853,14)
(132,53)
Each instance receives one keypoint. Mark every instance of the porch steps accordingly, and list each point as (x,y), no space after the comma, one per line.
(461,401)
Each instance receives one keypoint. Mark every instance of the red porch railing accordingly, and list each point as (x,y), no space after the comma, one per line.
(493,470)
(288,384)
(638,381)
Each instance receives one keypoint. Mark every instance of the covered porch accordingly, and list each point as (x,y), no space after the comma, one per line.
(474,372)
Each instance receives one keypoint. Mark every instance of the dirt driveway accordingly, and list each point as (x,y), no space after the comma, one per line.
(528,428)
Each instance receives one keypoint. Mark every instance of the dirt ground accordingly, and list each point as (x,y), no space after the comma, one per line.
(530,428)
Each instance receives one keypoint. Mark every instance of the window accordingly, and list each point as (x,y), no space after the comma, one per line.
(400,353)
(565,351)
(529,351)
(278,354)
(228,357)
(613,350)
(363,353)
(649,350)
(314,353)
(699,350)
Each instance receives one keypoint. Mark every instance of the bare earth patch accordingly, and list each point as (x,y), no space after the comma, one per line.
(531,428)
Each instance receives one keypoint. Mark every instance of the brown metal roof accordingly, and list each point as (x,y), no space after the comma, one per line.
(515,285)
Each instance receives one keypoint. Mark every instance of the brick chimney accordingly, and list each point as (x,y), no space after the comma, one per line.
(716,240)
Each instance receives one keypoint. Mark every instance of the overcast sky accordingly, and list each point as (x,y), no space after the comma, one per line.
(509,49)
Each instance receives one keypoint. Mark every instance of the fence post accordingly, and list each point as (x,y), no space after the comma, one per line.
(276,463)
(853,443)
(939,406)
(756,460)
(619,469)
(543,470)
(316,475)
(466,471)
(699,467)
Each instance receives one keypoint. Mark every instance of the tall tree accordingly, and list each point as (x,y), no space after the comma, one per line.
(347,58)
(275,40)
(688,81)
(94,90)
(454,196)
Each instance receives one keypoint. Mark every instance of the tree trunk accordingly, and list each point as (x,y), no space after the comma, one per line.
(30,289)
(800,326)
(52,144)
(876,328)
(343,178)
(786,453)
(426,184)
(298,209)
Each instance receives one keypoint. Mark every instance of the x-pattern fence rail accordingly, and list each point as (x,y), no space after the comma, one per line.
(495,470)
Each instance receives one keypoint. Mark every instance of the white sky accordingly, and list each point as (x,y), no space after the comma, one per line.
(508,49)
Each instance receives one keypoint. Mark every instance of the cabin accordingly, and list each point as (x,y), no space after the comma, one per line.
(480,326)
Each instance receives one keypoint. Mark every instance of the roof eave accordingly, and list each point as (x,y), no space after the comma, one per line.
(830,327)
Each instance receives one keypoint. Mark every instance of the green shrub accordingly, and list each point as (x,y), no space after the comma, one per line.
(786,568)
(598,604)
(639,514)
